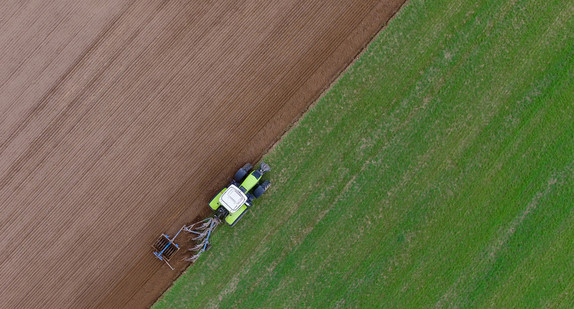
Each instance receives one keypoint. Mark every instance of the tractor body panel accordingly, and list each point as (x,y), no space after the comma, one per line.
(251,181)
(232,218)
(214,203)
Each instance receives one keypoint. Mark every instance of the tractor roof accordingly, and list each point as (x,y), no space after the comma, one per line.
(233,198)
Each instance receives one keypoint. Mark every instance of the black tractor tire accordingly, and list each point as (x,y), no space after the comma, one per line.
(260,189)
(242,172)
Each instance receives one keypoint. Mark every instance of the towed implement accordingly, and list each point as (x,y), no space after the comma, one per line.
(228,206)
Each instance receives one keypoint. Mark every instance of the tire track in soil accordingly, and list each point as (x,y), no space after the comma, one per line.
(122,124)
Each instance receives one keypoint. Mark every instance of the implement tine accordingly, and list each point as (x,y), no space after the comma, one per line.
(199,246)
(199,226)
(193,258)
(204,225)
(202,229)
(192,226)
(201,236)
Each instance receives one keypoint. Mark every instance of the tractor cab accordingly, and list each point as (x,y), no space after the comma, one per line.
(233,198)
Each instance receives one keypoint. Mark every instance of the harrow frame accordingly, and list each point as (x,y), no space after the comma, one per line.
(166,247)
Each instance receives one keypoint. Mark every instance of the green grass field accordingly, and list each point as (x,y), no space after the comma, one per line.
(438,171)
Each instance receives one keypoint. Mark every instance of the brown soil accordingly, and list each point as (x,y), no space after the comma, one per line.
(120,119)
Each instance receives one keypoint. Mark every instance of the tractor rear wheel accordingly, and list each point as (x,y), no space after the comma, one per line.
(260,189)
(242,172)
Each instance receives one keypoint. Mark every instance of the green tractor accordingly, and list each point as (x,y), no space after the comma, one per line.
(229,205)
(233,201)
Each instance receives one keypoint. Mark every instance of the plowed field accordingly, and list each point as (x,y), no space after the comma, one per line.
(120,119)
